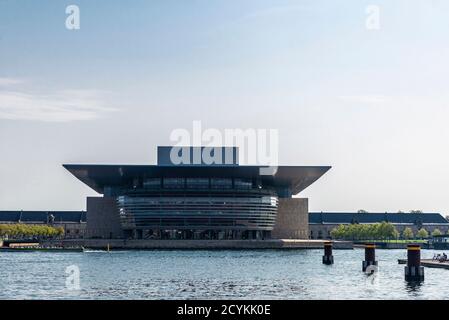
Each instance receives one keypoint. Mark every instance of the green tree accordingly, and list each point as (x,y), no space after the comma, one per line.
(422,233)
(407,233)
(436,232)
(396,234)
(373,231)
(20,230)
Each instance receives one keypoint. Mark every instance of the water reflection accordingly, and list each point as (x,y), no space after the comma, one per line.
(413,286)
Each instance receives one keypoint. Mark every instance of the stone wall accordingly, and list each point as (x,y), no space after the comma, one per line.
(72,230)
(103,219)
(292,220)
(103,244)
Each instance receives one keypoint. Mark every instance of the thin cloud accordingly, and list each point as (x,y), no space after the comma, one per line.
(365,99)
(58,106)
(261,14)
(271,11)
(6,82)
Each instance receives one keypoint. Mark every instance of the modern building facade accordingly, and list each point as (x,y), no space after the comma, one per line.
(196,198)
(322,223)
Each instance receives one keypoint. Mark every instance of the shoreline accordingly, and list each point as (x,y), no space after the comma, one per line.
(112,244)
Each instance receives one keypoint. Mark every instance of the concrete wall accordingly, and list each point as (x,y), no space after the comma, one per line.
(103,219)
(200,244)
(72,230)
(320,231)
(292,221)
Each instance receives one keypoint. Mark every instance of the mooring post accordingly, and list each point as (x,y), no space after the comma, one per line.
(414,271)
(370,256)
(328,258)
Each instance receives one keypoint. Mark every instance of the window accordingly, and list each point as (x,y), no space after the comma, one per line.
(243,184)
(174,183)
(152,183)
(221,183)
(197,183)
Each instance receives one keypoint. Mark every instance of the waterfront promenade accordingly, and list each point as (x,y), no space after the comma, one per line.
(429,263)
(198,244)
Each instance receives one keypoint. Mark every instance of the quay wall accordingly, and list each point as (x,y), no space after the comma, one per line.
(197,244)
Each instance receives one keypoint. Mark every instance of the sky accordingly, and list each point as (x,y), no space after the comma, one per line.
(372,102)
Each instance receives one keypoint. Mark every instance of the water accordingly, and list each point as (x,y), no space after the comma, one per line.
(272,274)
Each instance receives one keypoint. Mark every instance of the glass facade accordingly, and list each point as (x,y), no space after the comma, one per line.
(197,183)
(198,208)
(223,183)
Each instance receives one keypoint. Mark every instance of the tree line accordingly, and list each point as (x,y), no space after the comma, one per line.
(19,230)
(378,231)
(400,211)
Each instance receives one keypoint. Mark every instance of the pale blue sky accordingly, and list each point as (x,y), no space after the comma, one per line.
(373,104)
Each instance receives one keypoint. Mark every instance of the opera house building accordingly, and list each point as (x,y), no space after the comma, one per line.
(196,200)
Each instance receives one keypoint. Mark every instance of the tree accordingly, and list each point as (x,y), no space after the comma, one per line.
(362,211)
(422,233)
(407,233)
(436,232)
(415,211)
(396,234)
(337,233)
(382,230)
(20,230)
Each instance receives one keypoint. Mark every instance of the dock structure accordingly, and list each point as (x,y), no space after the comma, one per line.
(118,244)
(328,258)
(370,258)
(414,271)
(429,263)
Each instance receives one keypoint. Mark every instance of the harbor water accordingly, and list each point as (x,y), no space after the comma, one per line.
(245,274)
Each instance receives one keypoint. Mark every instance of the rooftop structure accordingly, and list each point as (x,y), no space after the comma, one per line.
(42,217)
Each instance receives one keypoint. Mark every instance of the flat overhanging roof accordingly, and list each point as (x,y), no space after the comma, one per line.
(96,176)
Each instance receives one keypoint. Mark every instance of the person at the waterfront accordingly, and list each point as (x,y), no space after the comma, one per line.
(442,258)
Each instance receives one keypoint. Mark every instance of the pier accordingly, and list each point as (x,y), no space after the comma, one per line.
(119,244)
(429,263)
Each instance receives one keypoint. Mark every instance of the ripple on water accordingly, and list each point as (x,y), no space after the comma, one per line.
(255,274)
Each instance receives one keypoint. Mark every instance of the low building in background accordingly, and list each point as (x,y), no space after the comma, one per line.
(322,223)
(289,224)
(73,222)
